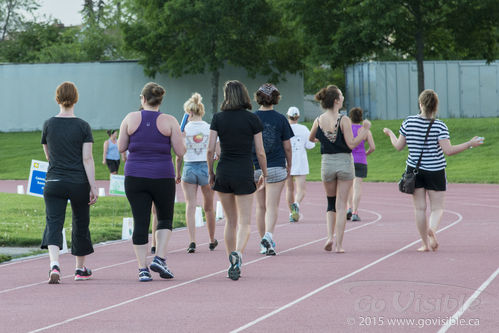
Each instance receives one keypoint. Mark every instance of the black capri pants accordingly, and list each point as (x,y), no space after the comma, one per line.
(141,193)
(56,195)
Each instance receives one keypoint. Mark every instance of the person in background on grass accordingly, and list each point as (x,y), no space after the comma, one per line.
(276,140)
(67,143)
(149,135)
(238,129)
(111,155)
(360,163)
(334,131)
(195,172)
(299,165)
(431,179)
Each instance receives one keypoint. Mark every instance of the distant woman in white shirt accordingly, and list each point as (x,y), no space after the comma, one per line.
(299,164)
(195,171)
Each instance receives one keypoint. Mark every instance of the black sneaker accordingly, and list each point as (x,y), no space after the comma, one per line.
(349,214)
(153,249)
(234,271)
(54,275)
(158,265)
(83,274)
(213,245)
(144,275)
(191,248)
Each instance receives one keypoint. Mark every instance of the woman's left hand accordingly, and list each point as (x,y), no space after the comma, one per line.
(178,179)
(94,194)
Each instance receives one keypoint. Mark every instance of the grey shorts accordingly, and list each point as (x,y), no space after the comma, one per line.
(275,174)
(337,167)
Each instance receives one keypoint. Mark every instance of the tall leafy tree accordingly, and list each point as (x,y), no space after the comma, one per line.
(346,31)
(12,14)
(196,36)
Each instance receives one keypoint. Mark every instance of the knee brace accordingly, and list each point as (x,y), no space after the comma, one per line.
(331,204)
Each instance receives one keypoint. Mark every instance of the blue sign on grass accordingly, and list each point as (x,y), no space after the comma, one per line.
(37,175)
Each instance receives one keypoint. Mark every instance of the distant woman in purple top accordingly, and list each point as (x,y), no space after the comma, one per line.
(149,135)
(360,163)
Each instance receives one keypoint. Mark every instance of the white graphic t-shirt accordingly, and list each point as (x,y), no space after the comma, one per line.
(196,141)
(299,145)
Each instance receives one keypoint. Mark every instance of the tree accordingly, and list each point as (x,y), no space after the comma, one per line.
(196,36)
(11,14)
(347,31)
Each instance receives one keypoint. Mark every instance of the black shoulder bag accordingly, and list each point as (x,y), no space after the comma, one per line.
(407,184)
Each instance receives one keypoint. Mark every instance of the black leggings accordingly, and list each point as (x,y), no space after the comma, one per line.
(141,193)
(56,195)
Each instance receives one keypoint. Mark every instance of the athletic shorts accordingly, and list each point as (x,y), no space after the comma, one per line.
(238,186)
(195,173)
(113,165)
(274,174)
(360,170)
(337,167)
(431,180)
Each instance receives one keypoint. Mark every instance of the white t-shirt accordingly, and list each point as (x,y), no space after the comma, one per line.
(299,144)
(197,134)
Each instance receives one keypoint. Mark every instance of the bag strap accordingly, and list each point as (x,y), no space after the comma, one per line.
(424,144)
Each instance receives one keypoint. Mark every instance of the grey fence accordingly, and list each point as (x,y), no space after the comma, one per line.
(389,90)
(108,91)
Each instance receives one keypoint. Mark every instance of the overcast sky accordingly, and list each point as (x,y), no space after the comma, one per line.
(67,11)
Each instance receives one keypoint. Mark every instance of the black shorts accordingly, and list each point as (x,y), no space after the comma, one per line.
(238,186)
(430,180)
(113,165)
(360,170)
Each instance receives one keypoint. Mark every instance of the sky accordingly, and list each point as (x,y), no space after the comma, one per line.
(67,11)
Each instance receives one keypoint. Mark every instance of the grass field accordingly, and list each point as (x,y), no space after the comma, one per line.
(478,165)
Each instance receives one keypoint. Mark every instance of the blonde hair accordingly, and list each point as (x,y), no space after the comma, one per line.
(66,94)
(429,102)
(194,105)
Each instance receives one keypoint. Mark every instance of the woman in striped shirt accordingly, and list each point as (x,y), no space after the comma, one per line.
(431,177)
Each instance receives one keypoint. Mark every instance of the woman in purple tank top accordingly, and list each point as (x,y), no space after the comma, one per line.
(149,135)
(360,164)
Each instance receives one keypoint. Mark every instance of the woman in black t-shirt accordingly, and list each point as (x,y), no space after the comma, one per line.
(67,143)
(237,129)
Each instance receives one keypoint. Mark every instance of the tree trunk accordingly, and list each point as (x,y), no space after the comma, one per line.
(215,76)
(419,50)
(10,8)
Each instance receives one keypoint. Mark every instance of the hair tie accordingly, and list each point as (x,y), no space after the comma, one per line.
(267,89)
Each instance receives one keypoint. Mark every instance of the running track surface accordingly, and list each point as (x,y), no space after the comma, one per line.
(381,284)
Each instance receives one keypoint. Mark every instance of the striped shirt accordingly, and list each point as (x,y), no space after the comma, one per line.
(414,129)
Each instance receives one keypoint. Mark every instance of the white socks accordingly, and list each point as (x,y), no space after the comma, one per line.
(54,263)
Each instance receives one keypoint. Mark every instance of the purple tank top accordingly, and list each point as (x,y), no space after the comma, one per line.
(150,155)
(359,152)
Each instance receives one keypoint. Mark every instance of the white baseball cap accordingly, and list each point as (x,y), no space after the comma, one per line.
(293,112)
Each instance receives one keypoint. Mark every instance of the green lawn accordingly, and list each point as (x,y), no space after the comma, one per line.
(385,164)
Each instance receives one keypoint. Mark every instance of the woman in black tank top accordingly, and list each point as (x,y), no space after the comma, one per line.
(334,132)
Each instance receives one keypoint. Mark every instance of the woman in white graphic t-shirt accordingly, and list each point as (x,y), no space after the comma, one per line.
(195,171)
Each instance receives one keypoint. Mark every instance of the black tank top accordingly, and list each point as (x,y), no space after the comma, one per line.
(329,147)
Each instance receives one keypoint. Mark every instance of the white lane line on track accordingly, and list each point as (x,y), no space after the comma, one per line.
(468,302)
(332,283)
(196,279)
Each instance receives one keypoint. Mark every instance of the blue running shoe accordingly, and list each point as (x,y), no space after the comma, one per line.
(144,275)
(234,271)
(158,265)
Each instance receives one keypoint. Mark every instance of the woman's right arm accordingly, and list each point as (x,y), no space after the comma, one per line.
(449,149)
(397,143)
(177,138)
(104,151)
(210,155)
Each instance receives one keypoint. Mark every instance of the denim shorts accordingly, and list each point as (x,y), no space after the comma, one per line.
(195,173)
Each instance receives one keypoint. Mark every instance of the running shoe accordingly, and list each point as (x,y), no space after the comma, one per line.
(83,274)
(355,217)
(269,244)
(158,265)
(234,271)
(144,275)
(213,245)
(263,249)
(153,249)
(349,214)
(291,219)
(295,211)
(191,248)
(54,275)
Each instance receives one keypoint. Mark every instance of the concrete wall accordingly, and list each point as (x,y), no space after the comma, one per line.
(109,90)
(389,90)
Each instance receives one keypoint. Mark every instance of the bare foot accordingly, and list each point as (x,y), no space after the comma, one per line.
(340,250)
(329,245)
(423,249)
(433,240)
